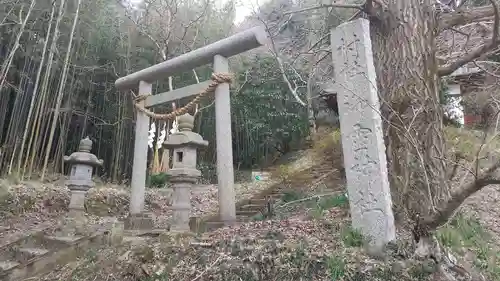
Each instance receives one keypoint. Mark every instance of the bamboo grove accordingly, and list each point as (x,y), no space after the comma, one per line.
(59,60)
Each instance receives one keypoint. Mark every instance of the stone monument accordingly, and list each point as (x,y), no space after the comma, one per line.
(361,129)
(82,164)
(183,175)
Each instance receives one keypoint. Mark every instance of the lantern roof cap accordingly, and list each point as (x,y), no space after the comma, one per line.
(185,136)
(83,156)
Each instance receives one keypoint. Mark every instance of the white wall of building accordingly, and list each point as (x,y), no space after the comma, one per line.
(454,109)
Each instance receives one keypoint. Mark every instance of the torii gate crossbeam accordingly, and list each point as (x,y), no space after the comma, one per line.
(217,53)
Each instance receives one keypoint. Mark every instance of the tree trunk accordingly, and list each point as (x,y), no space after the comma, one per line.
(35,93)
(33,143)
(6,64)
(409,93)
(60,92)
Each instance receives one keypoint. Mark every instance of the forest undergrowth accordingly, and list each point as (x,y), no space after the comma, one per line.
(308,237)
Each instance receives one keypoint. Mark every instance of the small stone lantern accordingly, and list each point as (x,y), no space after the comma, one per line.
(80,181)
(183,174)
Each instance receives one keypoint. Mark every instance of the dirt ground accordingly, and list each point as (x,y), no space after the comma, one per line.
(485,205)
(37,206)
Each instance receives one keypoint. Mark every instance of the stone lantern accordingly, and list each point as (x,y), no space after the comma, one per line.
(183,174)
(82,164)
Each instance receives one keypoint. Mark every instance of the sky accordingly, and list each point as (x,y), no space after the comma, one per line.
(244,8)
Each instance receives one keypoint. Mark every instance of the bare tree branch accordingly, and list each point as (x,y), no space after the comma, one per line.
(459,196)
(274,52)
(485,70)
(325,6)
(465,16)
(478,52)
(453,172)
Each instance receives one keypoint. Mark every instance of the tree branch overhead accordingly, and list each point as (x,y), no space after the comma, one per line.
(481,50)
(465,16)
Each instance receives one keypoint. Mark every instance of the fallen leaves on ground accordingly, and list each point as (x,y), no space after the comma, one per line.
(288,249)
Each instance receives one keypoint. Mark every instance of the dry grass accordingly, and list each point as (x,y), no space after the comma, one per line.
(468,142)
(325,155)
(470,241)
(293,248)
(309,239)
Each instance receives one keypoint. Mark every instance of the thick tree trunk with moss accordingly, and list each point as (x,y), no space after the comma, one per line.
(404,51)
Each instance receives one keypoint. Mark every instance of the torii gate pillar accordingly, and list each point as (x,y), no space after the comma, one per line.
(216,53)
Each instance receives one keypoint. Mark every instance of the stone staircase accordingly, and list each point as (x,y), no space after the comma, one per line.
(41,252)
(245,210)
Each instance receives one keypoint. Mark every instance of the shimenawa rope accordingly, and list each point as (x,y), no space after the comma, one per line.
(217,79)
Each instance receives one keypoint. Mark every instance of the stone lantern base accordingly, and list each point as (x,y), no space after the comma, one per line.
(77,202)
(75,223)
(142,221)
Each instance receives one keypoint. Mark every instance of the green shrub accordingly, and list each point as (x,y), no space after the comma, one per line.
(336,267)
(158,180)
(329,202)
(258,217)
(208,172)
(465,232)
(291,195)
(352,237)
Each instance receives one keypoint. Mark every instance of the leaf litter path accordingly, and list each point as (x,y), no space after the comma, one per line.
(15,227)
(485,206)
(103,203)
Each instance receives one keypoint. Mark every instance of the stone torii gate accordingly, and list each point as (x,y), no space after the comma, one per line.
(217,53)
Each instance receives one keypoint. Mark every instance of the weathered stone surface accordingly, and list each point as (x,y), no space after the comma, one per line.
(82,163)
(116,234)
(74,224)
(195,224)
(185,136)
(361,127)
(77,202)
(225,171)
(141,221)
(181,206)
(183,174)
(227,47)
(80,181)
(83,155)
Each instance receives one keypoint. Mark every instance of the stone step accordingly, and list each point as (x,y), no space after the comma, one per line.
(261,202)
(201,244)
(58,242)
(246,213)
(8,265)
(251,207)
(276,191)
(243,218)
(23,241)
(24,255)
(212,225)
(36,260)
(135,240)
(27,236)
(9,251)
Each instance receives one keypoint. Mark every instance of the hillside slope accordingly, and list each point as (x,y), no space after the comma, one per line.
(308,236)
